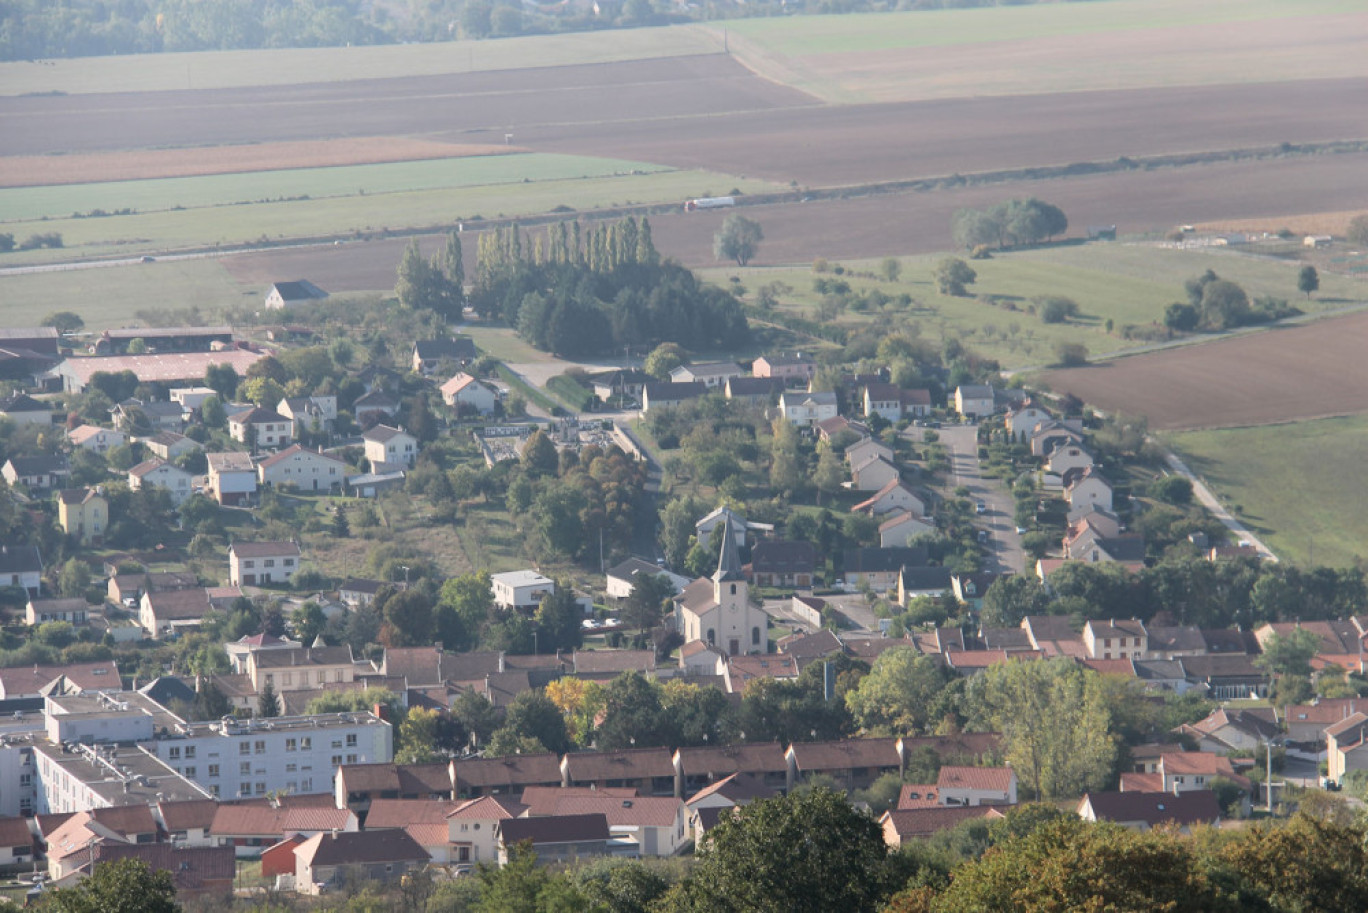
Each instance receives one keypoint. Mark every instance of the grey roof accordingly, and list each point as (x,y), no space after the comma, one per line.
(887,560)
(782,556)
(1191,807)
(20,402)
(926,578)
(38,465)
(460,347)
(667,393)
(19,559)
(728,561)
(299,290)
(555,829)
(1183,637)
(632,567)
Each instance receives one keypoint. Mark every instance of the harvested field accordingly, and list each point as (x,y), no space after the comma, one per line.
(1279,375)
(1313,223)
(138,165)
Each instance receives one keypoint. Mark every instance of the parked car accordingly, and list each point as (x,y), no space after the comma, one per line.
(981,507)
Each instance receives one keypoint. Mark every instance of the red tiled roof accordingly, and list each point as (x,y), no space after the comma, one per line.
(386,813)
(641,811)
(1193,807)
(541,800)
(998,779)
(918,795)
(316,819)
(923,822)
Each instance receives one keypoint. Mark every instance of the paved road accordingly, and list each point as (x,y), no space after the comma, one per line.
(1004,545)
(1238,530)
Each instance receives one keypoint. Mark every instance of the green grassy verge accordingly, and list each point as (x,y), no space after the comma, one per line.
(287,66)
(1289,482)
(140,233)
(529,392)
(571,392)
(1126,283)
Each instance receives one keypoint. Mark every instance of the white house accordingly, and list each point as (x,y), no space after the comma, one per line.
(71,610)
(1070,456)
(873,473)
(712,374)
(261,428)
(191,398)
(1022,423)
(718,611)
(901,526)
(96,439)
(1093,488)
(860,451)
(308,470)
(157,473)
(309,413)
(232,477)
(894,403)
(22,566)
(975,400)
(390,448)
(896,495)
(622,578)
(252,563)
(25,410)
(464,392)
(807,409)
(285,295)
(520,589)
(977,786)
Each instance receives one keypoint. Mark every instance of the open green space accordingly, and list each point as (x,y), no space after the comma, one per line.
(798,36)
(1294,485)
(287,66)
(21,204)
(151,232)
(112,297)
(1129,284)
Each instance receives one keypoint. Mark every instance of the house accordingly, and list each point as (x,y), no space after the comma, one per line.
(1052,434)
(866,448)
(718,611)
(1226,677)
(375,406)
(254,563)
(922,581)
(1185,771)
(36,682)
(878,568)
(901,527)
(622,577)
(83,514)
(605,665)
(832,427)
(698,658)
(1307,723)
(1053,635)
(852,763)
(893,403)
(168,445)
(1225,730)
(374,484)
(755,390)
(1116,638)
(425,820)
(232,478)
(732,791)
(389,448)
(703,529)
(698,767)
(306,470)
(977,786)
(285,295)
(157,473)
(807,409)
(260,428)
(624,384)
(975,400)
(165,613)
(742,670)
(326,860)
(1022,423)
(1092,488)
(902,825)
(466,394)
(38,472)
(191,399)
(713,374)
(310,414)
(96,439)
(475,776)
(1346,747)
(429,353)
(521,590)
(300,668)
(240,650)
(794,370)
(809,648)
(670,396)
(359,591)
(556,839)
(1104,522)
(133,414)
(163,368)
(72,610)
(196,871)
(25,410)
(1145,810)
(655,825)
(783,563)
(359,786)
(873,473)
(473,828)
(1067,457)
(897,495)
(970,588)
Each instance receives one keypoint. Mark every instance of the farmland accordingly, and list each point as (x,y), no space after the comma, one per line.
(1296,484)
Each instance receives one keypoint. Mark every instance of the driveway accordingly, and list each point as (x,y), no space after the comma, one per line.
(1004,553)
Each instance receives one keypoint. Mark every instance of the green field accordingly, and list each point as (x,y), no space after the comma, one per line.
(797,36)
(1128,283)
(289,66)
(1295,484)
(232,224)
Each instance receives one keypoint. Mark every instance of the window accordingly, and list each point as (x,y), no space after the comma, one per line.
(244,748)
(306,784)
(755,636)
(289,562)
(291,744)
(322,676)
(336,743)
(351,740)
(245,769)
(26,779)
(173,753)
(286,678)
(260,789)
(260,746)
(189,751)
(291,768)
(190,772)
(270,562)
(335,760)
(213,770)
(351,759)
(306,743)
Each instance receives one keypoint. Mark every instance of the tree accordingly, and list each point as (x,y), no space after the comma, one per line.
(453,266)
(1290,653)
(1307,864)
(1011,598)
(738,239)
(1054,721)
(539,455)
(309,622)
(1071,354)
(64,322)
(663,359)
(952,275)
(633,714)
(1181,317)
(829,474)
(74,579)
(806,853)
(408,618)
(121,886)
(895,698)
(223,380)
(268,703)
(558,620)
(1357,232)
(646,604)
(423,284)
(532,715)
(1308,280)
(1172,489)
(263,391)
(1055,308)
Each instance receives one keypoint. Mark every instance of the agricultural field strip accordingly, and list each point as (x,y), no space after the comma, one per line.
(29,203)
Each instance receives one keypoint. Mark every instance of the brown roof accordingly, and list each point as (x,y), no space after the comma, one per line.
(192,868)
(918,795)
(402,812)
(264,549)
(742,670)
(296,820)
(101,676)
(555,829)
(302,656)
(1191,807)
(1111,666)
(1132,782)
(126,819)
(640,811)
(992,778)
(1163,638)
(591,662)
(631,764)
(507,773)
(719,762)
(845,754)
(541,800)
(179,604)
(403,778)
(486,807)
(295,449)
(1346,725)
(189,814)
(15,832)
(923,822)
(737,788)
(350,848)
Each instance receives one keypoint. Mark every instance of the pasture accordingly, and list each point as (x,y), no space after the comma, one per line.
(1295,484)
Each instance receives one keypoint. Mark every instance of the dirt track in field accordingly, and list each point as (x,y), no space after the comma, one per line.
(1279,375)
(141,164)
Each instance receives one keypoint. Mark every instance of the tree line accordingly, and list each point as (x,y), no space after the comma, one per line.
(1008,224)
(581,292)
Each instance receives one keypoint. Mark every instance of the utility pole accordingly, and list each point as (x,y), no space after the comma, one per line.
(1268,780)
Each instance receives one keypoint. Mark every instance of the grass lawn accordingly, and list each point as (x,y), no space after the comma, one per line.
(1127,283)
(112,297)
(287,66)
(1293,483)
(153,232)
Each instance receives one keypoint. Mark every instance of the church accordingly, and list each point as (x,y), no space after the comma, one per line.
(718,611)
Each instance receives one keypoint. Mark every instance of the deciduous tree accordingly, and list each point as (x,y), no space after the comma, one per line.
(738,239)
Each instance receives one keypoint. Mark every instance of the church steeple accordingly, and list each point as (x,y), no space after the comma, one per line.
(728,561)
